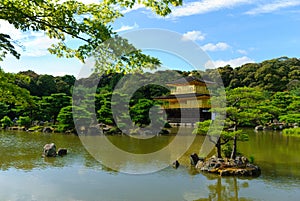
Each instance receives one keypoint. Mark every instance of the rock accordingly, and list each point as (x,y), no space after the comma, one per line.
(164,132)
(194,158)
(199,164)
(253,170)
(62,151)
(49,150)
(240,166)
(259,128)
(175,164)
(47,130)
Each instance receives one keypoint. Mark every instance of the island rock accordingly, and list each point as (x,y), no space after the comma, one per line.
(229,167)
(62,151)
(49,150)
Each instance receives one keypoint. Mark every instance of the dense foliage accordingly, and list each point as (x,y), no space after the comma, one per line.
(271,75)
(46,98)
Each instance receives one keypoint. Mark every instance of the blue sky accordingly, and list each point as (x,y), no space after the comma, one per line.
(231,32)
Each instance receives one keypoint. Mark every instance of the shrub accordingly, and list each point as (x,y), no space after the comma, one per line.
(24,121)
(251,159)
(6,122)
(227,149)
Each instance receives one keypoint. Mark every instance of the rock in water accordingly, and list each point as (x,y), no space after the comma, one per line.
(194,158)
(175,164)
(62,151)
(49,150)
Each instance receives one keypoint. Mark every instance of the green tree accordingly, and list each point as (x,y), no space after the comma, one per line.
(34,109)
(30,85)
(203,128)
(64,84)
(24,121)
(140,112)
(104,113)
(6,122)
(226,74)
(291,112)
(10,93)
(290,118)
(280,101)
(66,118)
(242,109)
(3,109)
(88,23)
(52,104)
(46,85)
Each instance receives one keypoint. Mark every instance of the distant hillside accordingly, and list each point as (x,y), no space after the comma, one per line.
(272,75)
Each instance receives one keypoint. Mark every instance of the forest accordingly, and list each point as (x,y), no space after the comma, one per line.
(257,94)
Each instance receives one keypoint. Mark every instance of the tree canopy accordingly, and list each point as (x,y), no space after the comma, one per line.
(90,24)
(274,75)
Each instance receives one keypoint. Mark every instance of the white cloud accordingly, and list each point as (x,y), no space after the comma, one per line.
(7,28)
(205,6)
(33,43)
(232,62)
(193,35)
(127,27)
(221,46)
(84,1)
(242,51)
(274,6)
(37,46)
(134,7)
(59,73)
(89,1)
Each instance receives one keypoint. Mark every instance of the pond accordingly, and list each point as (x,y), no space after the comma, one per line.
(25,175)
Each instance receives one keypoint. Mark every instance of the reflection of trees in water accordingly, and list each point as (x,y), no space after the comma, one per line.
(225,189)
(91,163)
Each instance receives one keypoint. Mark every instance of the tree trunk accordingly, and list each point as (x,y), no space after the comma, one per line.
(219,151)
(233,153)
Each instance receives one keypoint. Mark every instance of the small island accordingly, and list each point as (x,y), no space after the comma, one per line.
(240,166)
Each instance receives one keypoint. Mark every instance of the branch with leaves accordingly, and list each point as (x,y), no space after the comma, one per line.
(90,24)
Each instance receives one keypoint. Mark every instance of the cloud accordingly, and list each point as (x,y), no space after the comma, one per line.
(59,73)
(242,51)
(274,6)
(205,6)
(232,62)
(84,1)
(134,7)
(32,43)
(37,46)
(127,27)
(193,35)
(7,28)
(221,46)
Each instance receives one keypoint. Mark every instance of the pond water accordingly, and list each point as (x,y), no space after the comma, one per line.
(25,175)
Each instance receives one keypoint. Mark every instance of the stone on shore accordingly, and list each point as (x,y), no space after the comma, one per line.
(47,130)
(259,128)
